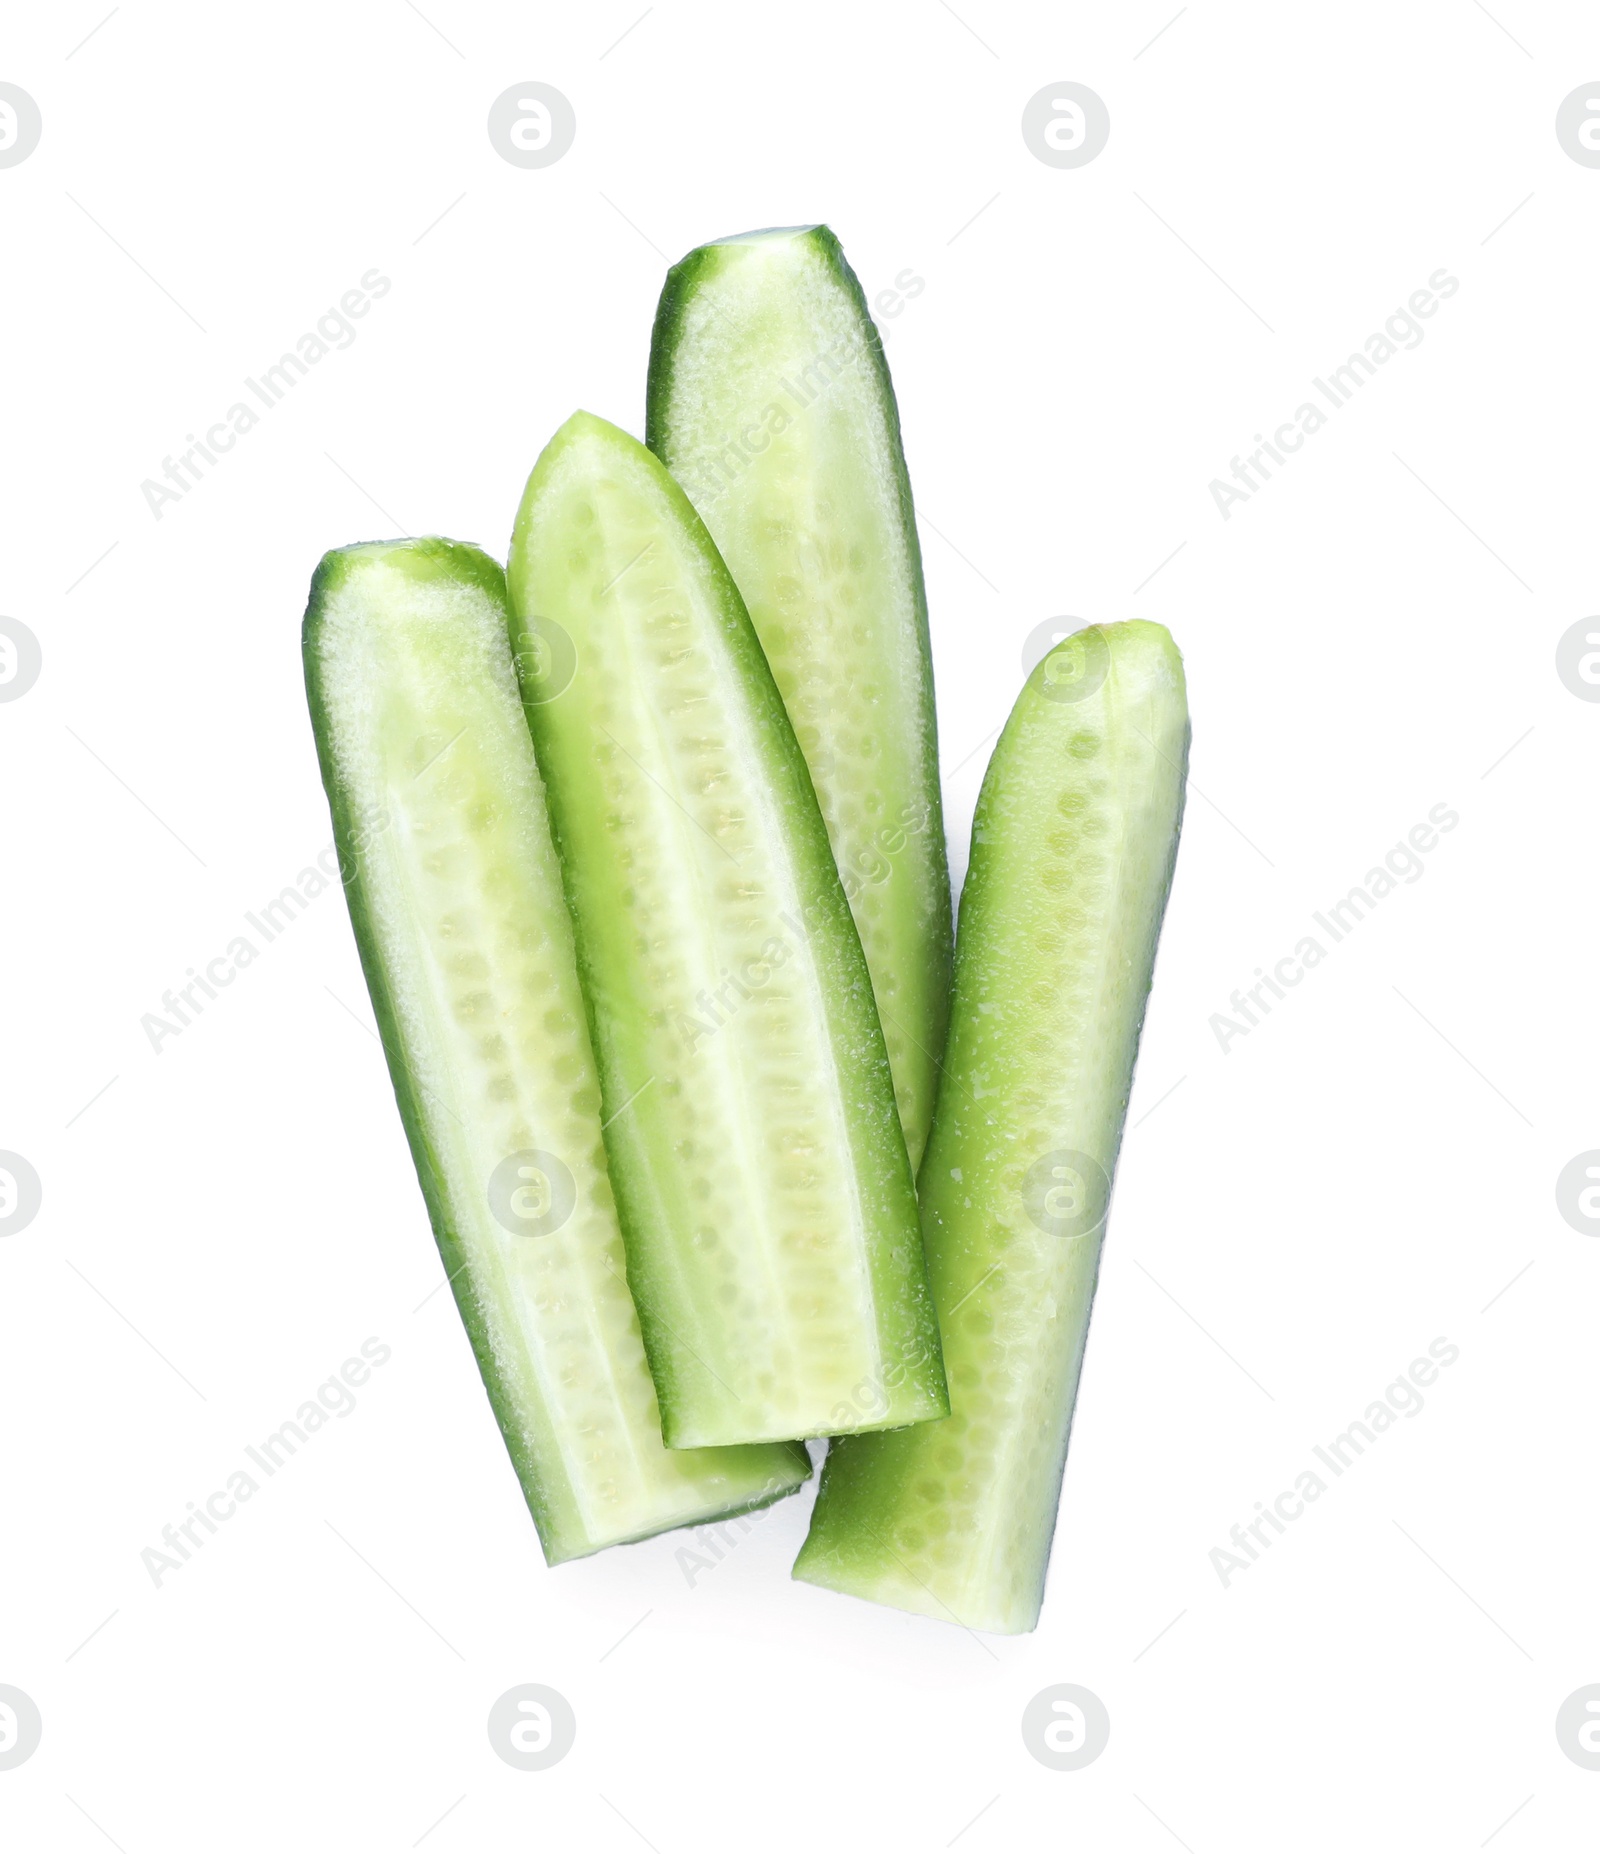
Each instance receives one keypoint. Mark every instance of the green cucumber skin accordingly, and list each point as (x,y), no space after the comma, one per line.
(756,1326)
(874,760)
(1074,843)
(734,1481)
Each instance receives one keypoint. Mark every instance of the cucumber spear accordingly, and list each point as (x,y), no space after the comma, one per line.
(464,938)
(770,402)
(1072,855)
(766,1201)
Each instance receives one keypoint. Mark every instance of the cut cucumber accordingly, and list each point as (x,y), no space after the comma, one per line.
(456,901)
(766,1202)
(770,402)
(1072,855)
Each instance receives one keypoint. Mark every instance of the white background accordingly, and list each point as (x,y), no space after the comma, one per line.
(1296,1219)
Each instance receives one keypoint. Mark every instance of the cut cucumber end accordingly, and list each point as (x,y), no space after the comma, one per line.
(891,1585)
(852,1415)
(787,1470)
(771,232)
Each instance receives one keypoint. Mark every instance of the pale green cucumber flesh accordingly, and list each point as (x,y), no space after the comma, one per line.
(770,402)
(464,936)
(1072,857)
(766,1201)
